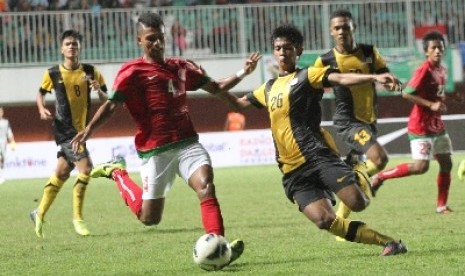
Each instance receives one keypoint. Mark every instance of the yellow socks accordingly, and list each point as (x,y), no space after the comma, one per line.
(51,190)
(79,190)
(357,231)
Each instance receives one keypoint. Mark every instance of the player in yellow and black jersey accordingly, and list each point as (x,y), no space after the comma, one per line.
(312,172)
(356,106)
(73,83)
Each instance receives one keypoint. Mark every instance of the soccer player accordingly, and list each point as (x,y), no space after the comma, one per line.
(153,89)
(6,137)
(72,82)
(312,171)
(356,106)
(426,130)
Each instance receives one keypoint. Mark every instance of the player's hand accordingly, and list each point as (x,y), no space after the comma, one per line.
(251,62)
(196,66)
(45,114)
(94,85)
(13,146)
(80,138)
(389,81)
(438,106)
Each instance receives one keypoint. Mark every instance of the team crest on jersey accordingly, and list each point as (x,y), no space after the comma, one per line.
(293,81)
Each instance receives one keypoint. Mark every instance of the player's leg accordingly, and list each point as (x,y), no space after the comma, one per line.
(195,167)
(51,189)
(320,212)
(2,159)
(84,166)
(377,158)
(421,151)
(442,151)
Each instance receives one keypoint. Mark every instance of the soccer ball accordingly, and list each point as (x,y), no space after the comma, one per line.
(211,252)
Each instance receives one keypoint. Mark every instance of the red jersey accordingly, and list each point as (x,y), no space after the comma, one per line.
(427,82)
(155,95)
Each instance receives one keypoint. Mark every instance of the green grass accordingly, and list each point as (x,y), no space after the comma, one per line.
(279,240)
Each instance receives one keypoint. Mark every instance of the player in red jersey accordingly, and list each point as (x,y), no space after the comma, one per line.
(153,88)
(426,130)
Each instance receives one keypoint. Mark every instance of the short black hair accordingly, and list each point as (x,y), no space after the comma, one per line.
(149,19)
(290,32)
(431,36)
(341,13)
(70,33)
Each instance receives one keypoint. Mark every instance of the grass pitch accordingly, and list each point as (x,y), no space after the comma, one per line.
(279,240)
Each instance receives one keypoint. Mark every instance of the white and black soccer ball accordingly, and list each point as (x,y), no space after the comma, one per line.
(211,252)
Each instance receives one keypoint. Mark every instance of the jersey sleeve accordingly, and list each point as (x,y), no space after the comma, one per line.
(121,85)
(258,97)
(318,76)
(47,85)
(195,77)
(416,80)
(379,62)
(100,79)
(318,63)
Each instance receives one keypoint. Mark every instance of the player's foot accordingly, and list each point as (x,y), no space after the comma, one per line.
(237,248)
(394,248)
(339,239)
(461,170)
(38,223)
(105,169)
(376,183)
(444,210)
(80,227)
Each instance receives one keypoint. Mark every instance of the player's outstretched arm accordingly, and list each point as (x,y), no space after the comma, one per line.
(386,79)
(101,116)
(223,85)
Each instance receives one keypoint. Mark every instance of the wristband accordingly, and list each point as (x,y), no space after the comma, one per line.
(241,74)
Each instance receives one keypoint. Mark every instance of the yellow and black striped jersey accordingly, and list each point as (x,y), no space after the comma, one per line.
(72,91)
(293,104)
(357,102)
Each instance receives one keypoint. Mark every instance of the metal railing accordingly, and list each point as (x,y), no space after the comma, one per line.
(221,31)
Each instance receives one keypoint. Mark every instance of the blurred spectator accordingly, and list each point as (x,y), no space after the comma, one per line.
(4,6)
(178,35)
(235,121)
(38,5)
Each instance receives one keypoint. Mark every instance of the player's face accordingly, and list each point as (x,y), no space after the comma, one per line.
(435,51)
(70,47)
(152,42)
(286,54)
(342,30)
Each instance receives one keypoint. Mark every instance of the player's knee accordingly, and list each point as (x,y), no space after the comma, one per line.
(324,223)
(420,168)
(207,191)
(359,203)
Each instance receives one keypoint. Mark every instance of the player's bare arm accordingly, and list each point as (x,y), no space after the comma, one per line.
(101,116)
(433,106)
(44,113)
(386,79)
(223,85)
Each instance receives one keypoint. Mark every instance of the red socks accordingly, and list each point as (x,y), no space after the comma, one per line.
(443,182)
(211,216)
(398,171)
(130,191)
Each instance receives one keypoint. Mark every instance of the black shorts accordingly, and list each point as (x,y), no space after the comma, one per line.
(358,137)
(311,182)
(66,151)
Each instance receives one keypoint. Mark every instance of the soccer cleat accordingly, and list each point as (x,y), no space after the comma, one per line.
(444,210)
(237,248)
(80,227)
(376,183)
(105,169)
(339,239)
(38,223)
(394,248)
(461,170)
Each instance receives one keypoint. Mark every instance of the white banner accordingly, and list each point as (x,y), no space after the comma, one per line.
(227,149)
